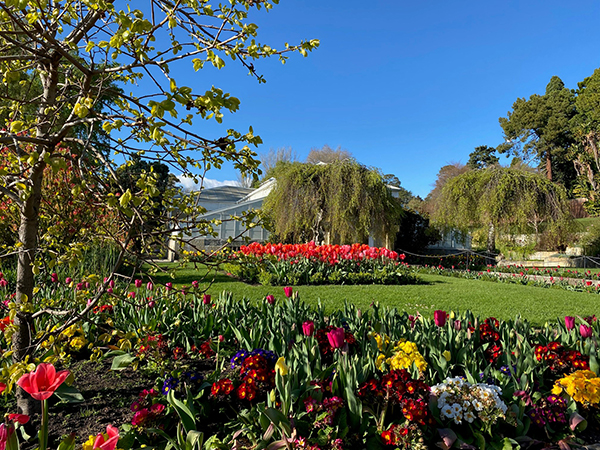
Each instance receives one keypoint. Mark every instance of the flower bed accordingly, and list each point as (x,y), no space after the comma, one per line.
(278,374)
(304,264)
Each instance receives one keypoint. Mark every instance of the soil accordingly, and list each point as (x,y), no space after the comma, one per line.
(107,395)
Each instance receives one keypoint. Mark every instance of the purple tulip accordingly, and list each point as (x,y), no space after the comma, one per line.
(569,322)
(586,331)
(439,317)
(288,290)
(308,328)
(138,283)
(270,299)
(336,337)
(457,325)
(206,299)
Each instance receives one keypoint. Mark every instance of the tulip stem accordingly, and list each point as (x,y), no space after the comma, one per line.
(43,433)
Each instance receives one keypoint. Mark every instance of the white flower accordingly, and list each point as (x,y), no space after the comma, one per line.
(456,408)
(477,405)
(448,412)
(469,416)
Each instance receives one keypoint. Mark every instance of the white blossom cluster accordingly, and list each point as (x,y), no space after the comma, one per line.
(460,400)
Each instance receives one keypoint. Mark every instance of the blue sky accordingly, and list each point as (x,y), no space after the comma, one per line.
(405,86)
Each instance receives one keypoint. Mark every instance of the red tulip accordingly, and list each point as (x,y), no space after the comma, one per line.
(569,322)
(585,331)
(138,283)
(439,317)
(43,381)
(21,418)
(308,328)
(2,387)
(206,299)
(336,337)
(108,440)
(270,299)
(288,291)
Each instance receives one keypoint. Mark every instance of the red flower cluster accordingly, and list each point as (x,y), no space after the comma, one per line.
(102,309)
(489,335)
(560,359)
(148,414)
(399,388)
(331,254)
(222,387)
(395,435)
(154,343)
(4,323)
(257,375)
(205,350)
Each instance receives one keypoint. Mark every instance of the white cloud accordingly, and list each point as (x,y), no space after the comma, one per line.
(189,185)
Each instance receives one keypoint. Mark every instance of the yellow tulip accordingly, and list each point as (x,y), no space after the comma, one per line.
(281,367)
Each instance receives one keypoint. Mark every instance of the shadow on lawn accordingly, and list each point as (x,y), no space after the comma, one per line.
(189,275)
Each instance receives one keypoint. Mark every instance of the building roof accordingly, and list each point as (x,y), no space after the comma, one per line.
(224,194)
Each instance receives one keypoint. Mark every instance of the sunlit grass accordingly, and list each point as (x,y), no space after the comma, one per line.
(501,300)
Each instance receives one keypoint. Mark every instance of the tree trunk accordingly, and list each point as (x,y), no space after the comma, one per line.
(548,165)
(28,229)
(491,239)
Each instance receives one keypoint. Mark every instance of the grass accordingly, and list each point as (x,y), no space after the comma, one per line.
(484,298)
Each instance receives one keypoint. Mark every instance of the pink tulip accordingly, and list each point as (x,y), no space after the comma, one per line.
(169,286)
(308,328)
(131,295)
(569,322)
(68,280)
(586,331)
(138,283)
(110,290)
(221,338)
(457,325)
(87,284)
(111,283)
(43,381)
(288,290)
(108,440)
(3,283)
(439,317)
(6,432)
(151,304)
(149,286)
(54,278)
(195,284)
(270,299)
(336,337)
(206,299)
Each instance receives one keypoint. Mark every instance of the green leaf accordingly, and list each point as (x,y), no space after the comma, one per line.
(122,361)
(69,394)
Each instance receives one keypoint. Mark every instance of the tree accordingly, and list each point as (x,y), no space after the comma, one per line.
(500,199)
(539,128)
(344,199)
(445,174)
(586,153)
(328,155)
(77,51)
(482,157)
(269,160)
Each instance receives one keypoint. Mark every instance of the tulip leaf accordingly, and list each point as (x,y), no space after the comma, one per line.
(69,394)
(122,361)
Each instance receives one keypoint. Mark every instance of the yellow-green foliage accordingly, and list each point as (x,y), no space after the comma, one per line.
(343,198)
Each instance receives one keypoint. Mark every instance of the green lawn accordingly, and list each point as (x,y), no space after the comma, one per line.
(501,300)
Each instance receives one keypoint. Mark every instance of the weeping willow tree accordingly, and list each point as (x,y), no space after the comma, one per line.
(344,201)
(501,199)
